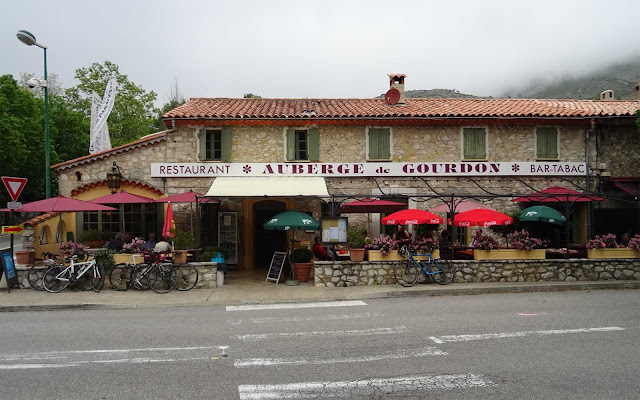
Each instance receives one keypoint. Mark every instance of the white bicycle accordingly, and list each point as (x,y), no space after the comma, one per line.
(86,275)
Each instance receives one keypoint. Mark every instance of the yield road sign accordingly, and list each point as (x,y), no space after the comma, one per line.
(12,229)
(14,186)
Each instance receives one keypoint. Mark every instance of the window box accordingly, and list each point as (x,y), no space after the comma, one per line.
(509,254)
(613,253)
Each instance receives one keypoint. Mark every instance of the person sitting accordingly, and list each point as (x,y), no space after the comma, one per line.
(476,237)
(151,243)
(624,239)
(116,243)
(401,236)
(163,247)
(320,252)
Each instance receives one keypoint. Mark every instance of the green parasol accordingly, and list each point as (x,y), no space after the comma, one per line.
(292,220)
(542,214)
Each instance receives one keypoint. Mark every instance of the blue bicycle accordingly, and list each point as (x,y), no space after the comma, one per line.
(406,275)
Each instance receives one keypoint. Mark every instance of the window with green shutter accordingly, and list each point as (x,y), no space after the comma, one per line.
(303,144)
(475,143)
(379,143)
(215,144)
(547,143)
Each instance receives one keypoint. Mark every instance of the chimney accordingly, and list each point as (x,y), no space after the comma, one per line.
(396,81)
(607,95)
(636,92)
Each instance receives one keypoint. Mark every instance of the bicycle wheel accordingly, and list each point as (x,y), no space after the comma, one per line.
(406,274)
(83,282)
(443,271)
(140,277)
(35,274)
(54,284)
(96,275)
(187,277)
(120,277)
(163,278)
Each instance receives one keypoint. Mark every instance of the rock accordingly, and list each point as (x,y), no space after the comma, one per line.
(605,276)
(627,273)
(547,276)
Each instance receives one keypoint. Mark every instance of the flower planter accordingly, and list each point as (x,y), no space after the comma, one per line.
(180,256)
(25,257)
(434,254)
(94,244)
(509,254)
(302,271)
(356,255)
(376,255)
(126,258)
(613,253)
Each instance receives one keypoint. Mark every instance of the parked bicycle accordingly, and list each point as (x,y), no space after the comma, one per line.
(37,271)
(120,276)
(86,275)
(187,278)
(158,275)
(441,271)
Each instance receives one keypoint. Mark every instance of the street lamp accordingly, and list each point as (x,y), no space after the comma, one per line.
(27,38)
(114,177)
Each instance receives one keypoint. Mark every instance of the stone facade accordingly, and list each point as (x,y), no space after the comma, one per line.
(342,273)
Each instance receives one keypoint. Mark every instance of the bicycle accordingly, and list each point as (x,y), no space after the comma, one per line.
(36,273)
(58,277)
(158,276)
(442,272)
(188,277)
(120,276)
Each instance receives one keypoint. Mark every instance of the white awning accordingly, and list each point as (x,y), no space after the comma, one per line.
(275,186)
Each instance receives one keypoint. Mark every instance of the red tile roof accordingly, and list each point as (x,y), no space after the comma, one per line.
(40,218)
(124,182)
(226,108)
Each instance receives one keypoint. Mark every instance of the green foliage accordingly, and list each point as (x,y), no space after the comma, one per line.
(104,258)
(88,236)
(182,240)
(133,110)
(356,237)
(251,96)
(302,255)
(212,251)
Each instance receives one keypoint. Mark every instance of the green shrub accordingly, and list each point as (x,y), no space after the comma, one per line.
(182,240)
(302,255)
(89,236)
(211,252)
(356,237)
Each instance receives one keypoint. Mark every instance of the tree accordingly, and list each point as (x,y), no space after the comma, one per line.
(251,96)
(174,99)
(133,111)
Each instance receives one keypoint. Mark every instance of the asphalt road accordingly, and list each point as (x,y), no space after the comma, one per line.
(573,345)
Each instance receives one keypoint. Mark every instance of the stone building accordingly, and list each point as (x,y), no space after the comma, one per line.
(257,157)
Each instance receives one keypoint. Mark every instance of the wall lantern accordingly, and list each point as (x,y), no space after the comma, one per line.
(114,177)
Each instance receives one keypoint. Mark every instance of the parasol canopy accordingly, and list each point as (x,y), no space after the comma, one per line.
(62,204)
(412,216)
(121,197)
(556,194)
(371,206)
(542,214)
(481,217)
(292,220)
(169,223)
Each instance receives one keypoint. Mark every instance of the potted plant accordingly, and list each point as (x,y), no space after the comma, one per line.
(182,241)
(93,238)
(212,252)
(301,258)
(425,245)
(383,248)
(524,247)
(356,236)
(134,247)
(68,249)
(606,246)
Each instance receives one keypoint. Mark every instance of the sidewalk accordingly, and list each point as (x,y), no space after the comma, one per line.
(253,292)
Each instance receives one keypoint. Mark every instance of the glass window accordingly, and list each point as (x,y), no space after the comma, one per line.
(44,237)
(301,145)
(213,145)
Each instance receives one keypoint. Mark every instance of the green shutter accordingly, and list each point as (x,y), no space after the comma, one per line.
(202,143)
(474,143)
(379,144)
(313,144)
(226,144)
(547,143)
(291,144)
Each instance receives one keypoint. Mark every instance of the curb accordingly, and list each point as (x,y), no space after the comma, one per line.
(399,293)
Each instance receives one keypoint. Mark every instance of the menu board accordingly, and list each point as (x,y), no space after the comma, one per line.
(334,230)
(275,268)
(9,268)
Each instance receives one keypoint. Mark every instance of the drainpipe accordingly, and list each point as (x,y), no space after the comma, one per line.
(588,133)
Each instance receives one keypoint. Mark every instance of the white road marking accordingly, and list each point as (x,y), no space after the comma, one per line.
(121,361)
(269,362)
(138,350)
(354,332)
(485,336)
(363,388)
(254,307)
(306,318)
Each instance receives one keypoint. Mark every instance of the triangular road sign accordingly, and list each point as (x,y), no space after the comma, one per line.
(14,186)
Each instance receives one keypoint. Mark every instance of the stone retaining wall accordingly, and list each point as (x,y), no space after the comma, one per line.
(345,273)
(207,275)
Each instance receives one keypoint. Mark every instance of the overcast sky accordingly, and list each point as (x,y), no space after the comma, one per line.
(320,48)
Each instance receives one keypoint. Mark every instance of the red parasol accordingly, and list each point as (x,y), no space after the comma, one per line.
(411,216)
(371,206)
(169,222)
(460,206)
(556,194)
(62,204)
(481,217)
(121,197)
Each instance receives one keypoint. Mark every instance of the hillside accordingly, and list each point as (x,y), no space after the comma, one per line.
(436,93)
(621,78)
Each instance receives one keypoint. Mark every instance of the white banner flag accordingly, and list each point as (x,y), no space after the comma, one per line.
(100,110)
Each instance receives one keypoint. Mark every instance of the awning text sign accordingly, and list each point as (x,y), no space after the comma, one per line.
(374,169)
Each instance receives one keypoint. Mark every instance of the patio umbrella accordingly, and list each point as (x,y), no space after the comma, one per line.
(169,222)
(412,216)
(186,197)
(292,220)
(62,204)
(556,194)
(121,197)
(542,214)
(371,206)
(460,206)
(481,217)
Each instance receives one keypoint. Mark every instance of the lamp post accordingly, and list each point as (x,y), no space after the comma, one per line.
(114,177)
(29,39)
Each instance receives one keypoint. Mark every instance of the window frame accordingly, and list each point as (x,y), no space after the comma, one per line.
(486,143)
(297,141)
(535,144)
(367,149)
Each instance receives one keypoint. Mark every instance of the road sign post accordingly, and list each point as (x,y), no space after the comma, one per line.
(14,186)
